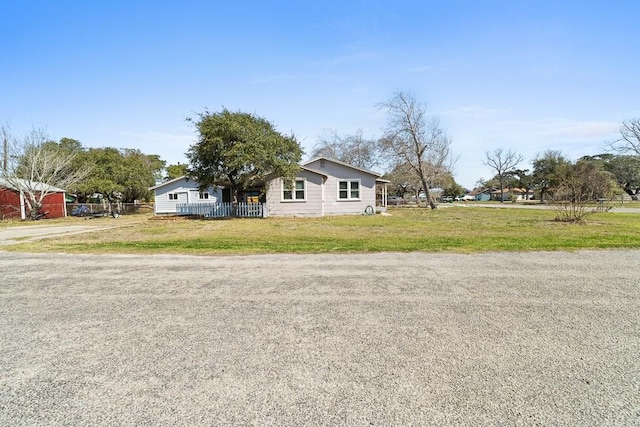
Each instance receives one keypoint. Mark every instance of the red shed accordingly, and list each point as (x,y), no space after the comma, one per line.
(13,205)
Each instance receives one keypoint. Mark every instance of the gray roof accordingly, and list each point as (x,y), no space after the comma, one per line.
(18,184)
(377,174)
(162,184)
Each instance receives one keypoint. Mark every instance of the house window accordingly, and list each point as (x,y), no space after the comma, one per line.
(349,190)
(297,193)
(173,196)
(203,195)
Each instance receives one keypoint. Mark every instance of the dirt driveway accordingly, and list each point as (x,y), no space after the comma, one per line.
(379,339)
(12,235)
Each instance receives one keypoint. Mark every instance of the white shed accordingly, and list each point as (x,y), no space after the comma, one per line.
(182,190)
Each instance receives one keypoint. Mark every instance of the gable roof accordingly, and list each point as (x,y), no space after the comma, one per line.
(171,181)
(512,190)
(376,174)
(314,171)
(19,184)
(477,191)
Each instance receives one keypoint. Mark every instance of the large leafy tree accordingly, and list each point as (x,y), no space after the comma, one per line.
(625,169)
(176,171)
(413,139)
(549,168)
(119,175)
(523,179)
(241,151)
(140,171)
(104,179)
(452,188)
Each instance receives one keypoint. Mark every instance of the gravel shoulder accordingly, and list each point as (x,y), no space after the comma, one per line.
(363,339)
(22,233)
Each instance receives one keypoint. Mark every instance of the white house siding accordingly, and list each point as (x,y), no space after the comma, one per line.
(312,206)
(187,191)
(336,172)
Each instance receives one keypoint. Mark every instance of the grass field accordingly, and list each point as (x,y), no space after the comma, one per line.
(454,229)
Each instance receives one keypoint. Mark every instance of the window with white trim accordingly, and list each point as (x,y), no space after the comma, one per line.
(349,189)
(203,195)
(298,193)
(173,196)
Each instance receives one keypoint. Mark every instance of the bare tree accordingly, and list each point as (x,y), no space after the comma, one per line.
(39,167)
(503,163)
(629,141)
(8,147)
(417,141)
(353,149)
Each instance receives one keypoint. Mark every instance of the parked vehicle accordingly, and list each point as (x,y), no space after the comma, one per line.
(81,210)
(394,200)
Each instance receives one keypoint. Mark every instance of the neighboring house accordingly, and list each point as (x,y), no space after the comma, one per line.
(513,194)
(182,190)
(327,187)
(481,195)
(13,203)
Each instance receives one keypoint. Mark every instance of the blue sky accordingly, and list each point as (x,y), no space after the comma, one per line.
(522,75)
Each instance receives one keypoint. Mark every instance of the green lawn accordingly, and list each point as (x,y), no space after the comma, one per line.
(452,229)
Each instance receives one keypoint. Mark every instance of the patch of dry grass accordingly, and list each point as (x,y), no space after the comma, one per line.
(454,229)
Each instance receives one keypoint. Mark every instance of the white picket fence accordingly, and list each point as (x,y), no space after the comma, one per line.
(223,210)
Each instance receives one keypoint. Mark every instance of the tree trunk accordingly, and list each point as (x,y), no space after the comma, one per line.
(234,200)
(427,193)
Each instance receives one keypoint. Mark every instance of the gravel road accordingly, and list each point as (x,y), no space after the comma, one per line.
(373,339)
(12,235)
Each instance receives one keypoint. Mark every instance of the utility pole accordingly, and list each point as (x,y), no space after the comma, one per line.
(5,155)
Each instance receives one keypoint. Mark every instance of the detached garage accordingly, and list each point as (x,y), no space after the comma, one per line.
(14,205)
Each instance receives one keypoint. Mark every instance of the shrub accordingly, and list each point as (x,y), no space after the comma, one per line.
(581,189)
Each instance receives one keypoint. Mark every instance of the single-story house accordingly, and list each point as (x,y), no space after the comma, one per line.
(182,190)
(327,187)
(480,194)
(14,205)
(512,194)
(322,187)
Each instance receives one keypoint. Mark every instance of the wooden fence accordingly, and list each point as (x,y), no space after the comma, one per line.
(223,210)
